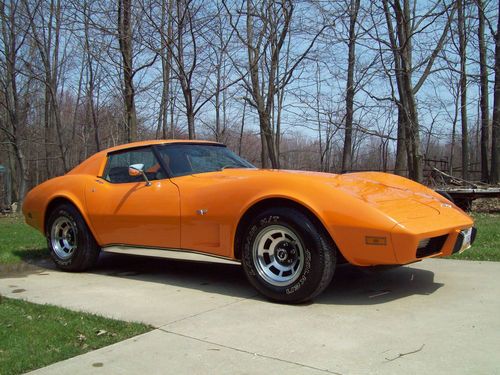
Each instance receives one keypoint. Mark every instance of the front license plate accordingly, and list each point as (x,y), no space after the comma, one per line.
(467,233)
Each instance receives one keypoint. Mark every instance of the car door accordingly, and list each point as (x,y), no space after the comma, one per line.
(211,199)
(210,206)
(123,209)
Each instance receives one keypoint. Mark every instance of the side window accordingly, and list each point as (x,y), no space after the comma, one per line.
(117,167)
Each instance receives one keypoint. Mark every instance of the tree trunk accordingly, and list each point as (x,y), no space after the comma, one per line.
(463,89)
(217,103)
(400,164)
(410,118)
(125,41)
(483,64)
(454,132)
(47,132)
(166,63)
(264,162)
(190,119)
(91,78)
(349,99)
(240,140)
(495,149)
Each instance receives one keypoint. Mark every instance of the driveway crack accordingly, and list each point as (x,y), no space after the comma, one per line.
(207,311)
(251,353)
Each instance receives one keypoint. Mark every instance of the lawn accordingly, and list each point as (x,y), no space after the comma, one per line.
(487,245)
(19,241)
(33,336)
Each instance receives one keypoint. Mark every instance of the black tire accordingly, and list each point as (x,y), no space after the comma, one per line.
(297,234)
(72,246)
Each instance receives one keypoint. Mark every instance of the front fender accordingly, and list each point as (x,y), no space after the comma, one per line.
(347,219)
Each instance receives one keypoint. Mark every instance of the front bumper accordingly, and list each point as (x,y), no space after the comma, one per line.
(464,240)
(441,243)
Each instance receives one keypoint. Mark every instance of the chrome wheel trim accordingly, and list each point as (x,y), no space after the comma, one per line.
(63,237)
(278,255)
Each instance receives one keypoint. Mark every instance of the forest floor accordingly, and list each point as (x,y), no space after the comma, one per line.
(486,205)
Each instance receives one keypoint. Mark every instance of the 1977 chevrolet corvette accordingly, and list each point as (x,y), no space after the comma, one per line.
(289,229)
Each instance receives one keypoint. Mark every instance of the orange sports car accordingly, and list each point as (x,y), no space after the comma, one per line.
(289,229)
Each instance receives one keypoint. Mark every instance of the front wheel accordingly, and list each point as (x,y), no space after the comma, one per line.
(287,257)
(72,246)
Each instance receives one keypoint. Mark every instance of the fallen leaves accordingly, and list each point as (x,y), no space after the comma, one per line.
(81,337)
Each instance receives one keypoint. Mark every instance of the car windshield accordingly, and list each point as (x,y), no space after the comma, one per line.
(184,159)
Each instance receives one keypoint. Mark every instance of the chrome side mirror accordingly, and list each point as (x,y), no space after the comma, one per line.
(136,170)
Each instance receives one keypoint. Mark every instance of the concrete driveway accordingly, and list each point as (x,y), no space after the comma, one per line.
(434,317)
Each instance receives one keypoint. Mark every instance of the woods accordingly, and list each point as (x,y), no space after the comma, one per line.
(389,85)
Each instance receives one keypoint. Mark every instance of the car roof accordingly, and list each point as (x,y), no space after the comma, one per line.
(158,142)
(94,164)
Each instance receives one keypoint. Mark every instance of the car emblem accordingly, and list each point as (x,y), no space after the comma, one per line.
(202,211)
(445,205)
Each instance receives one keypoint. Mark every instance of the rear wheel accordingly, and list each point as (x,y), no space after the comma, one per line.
(72,246)
(286,257)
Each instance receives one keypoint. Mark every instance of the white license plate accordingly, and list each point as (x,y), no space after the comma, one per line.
(467,233)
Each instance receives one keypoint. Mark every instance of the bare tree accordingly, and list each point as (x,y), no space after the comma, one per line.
(14,29)
(267,25)
(90,59)
(166,64)
(401,44)
(46,34)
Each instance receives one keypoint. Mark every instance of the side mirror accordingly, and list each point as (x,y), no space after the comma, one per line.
(136,170)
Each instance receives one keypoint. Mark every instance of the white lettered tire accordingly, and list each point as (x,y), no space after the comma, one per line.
(286,256)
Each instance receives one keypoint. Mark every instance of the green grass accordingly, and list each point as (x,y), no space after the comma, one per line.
(18,241)
(33,336)
(487,245)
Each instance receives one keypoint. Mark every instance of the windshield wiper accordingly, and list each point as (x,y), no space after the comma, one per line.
(231,166)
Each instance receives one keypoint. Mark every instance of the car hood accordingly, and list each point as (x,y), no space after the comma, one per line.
(397,197)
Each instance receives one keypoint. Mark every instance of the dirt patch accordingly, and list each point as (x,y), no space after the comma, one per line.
(24,268)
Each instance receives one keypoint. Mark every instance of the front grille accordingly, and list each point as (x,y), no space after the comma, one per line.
(430,246)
